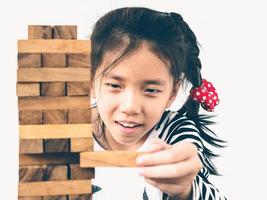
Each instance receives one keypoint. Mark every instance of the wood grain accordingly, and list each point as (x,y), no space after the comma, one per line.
(109,159)
(30,146)
(81,144)
(30,198)
(65,32)
(81,197)
(56,145)
(28,89)
(78,88)
(79,116)
(53,46)
(55,197)
(55,172)
(39,32)
(48,188)
(29,60)
(52,74)
(30,173)
(48,158)
(53,60)
(78,173)
(54,89)
(55,117)
(55,131)
(78,60)
(27,117)
(53,103)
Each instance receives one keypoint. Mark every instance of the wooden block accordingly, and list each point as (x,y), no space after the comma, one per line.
(54,46)
(49,188)
(39,32)
(78,173)
(28,89)
(55,198)
(81,144)
(53,103)
(64,32)
(56,145)
(78,88)
(109,159)
(79,116)
(30,173)
(55,172)
(49,158)
(30,146)
(30,117)
(29,198)
(81,197)
(29,60)
(52,74)
(53,60)
(53,89)
(78,60)
(55,131)
(55,117)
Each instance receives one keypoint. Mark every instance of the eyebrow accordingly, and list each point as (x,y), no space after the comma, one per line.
(145,82)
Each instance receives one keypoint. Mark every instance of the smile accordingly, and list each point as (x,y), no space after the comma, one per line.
(128,125)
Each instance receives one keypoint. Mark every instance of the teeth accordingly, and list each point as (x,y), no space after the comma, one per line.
(127,125)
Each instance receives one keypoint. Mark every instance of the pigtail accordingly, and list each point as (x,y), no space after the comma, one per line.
(191,70)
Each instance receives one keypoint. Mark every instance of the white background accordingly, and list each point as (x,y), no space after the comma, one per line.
(233,38)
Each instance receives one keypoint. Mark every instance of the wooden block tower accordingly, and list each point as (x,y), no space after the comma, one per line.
(53,80)
(57,160)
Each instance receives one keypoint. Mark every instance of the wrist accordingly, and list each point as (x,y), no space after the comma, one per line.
(186,195)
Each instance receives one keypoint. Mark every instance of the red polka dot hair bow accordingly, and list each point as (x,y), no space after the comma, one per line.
(205,95)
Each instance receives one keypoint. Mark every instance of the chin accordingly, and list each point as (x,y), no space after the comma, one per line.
(127,142)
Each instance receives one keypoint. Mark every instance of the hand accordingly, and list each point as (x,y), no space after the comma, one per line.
(170,168)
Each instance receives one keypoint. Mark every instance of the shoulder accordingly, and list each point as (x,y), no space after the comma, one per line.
(175,126)
(174,119)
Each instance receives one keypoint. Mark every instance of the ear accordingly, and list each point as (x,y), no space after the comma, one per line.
(173,94)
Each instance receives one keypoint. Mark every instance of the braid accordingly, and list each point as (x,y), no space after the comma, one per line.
(191,69)
(192,65)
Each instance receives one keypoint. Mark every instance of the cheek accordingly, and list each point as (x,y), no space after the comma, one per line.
(154,110)
(105,104)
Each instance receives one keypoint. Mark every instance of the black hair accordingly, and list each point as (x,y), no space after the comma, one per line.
(169,37)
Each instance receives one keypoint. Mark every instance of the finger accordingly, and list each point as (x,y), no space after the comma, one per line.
(156,144)
(175,170)
(172,154)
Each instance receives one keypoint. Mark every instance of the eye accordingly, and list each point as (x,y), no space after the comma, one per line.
(152,91)
(112,85)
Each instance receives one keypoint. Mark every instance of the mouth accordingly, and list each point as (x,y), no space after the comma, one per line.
(128,127)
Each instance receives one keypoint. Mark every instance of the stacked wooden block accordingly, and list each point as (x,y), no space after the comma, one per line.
(53,81)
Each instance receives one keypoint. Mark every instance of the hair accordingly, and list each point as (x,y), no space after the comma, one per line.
(169,37)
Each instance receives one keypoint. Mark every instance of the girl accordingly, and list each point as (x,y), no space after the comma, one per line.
(139,60)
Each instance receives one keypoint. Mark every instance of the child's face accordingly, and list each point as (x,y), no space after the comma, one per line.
(132,96)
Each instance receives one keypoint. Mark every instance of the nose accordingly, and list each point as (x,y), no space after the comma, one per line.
(130,103)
